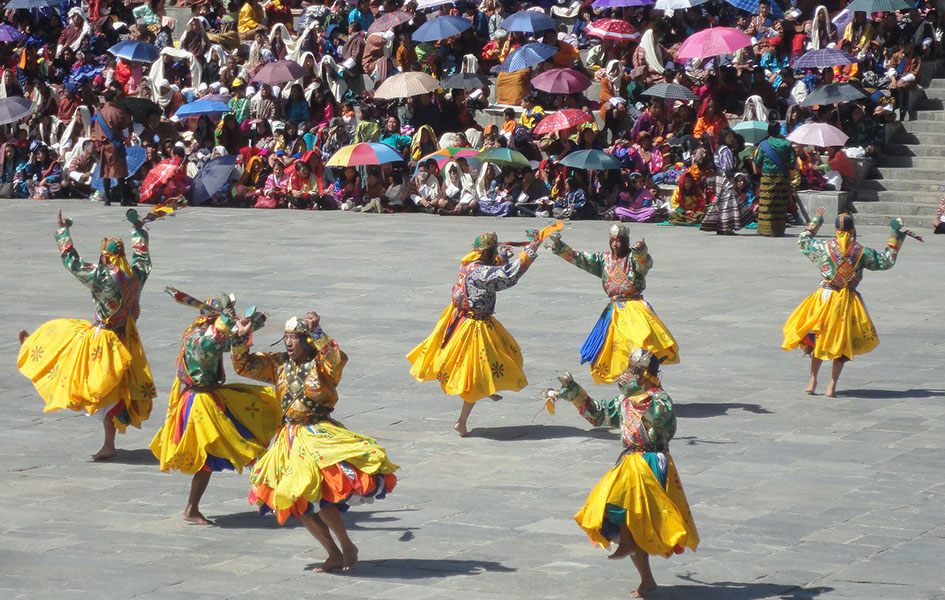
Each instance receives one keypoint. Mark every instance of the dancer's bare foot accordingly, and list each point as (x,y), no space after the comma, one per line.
(196,517)
(622,551)
(105,453)
(23,335)
(350,557)
(831,390)
(461,429)
(333,563)
(811,386)
(644,588)
(495,397)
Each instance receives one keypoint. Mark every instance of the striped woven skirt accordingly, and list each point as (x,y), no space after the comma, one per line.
(773,204)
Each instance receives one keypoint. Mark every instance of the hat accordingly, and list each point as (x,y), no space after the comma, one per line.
(501,34)
(486,240)
(250,90)
(297,326)
(927,42)
(844,222)
(634,175)
(620,230)
(237,82)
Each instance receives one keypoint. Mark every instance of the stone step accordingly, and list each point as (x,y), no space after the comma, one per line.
(896,209)
(918,198)
(912,173)
(904,186)
(934,93)
(905,161)
(920,224)
(922,126)
(899,149)
(921,137)
(929,104)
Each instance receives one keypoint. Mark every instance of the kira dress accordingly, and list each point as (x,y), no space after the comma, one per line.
(96,367)
(643,490)
(313,459)
(469,352)
(832,323)
(211,426)
(628,321)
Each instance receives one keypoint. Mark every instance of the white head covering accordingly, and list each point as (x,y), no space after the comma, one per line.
(654,58)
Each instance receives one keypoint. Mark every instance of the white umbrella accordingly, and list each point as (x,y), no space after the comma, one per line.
(677,4)
(818,134)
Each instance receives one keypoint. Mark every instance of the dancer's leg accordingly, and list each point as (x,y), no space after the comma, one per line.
(814,370)
(641,560)
(460,425)
(320,532)
(331,516)
(198,485)
(108,448)
(834,376)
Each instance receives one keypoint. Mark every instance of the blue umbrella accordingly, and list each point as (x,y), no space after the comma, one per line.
(528,21)
(86,72)
(590,159)
(135,156)
(30,4)
(871,6)
(752,7)
(136,51)
(201,107)
(527,56)
(441,28)
(825,57)
(212,177)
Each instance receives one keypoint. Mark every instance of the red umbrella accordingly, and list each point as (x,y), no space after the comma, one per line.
(561,81)
(563,119)
(158,176)
(388,21)
(613,29)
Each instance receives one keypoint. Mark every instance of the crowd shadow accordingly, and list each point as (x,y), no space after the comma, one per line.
(539,432)
(703,410)
(139,456)
(890,394)
(733,590)
(421,568)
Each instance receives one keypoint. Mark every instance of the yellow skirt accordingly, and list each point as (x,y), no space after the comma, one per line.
(660,520)
(307,465)
(632,324)
(480,358)
(227,427)
(831,324)
(78,366)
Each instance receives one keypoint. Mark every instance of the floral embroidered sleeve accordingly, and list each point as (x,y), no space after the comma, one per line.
(502,277)
(586,261)
(880,261)
(261,366)
(83,271)
(140,256)
(642,261)
(330,358)
(815,250)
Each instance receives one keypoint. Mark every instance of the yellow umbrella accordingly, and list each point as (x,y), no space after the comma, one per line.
(404,85)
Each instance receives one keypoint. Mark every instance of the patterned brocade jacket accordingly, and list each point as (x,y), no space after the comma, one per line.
(199,364)
(477,283)
(646,418)
(622,278)
(116,295)
(840,269)
(307,392)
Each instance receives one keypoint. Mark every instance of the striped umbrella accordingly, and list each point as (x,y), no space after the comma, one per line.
(563,119)
(825,57)
(713,42)
(871,6)
(752,7)
(404,85)
(365,153)
(388,21)
(670,91)
(561,81)
(527,56)
(613,29)
(443,155)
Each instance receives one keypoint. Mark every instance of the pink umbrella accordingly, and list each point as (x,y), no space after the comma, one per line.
(563,119)
(561,81)
(713,42)
(818,134)
(613,29)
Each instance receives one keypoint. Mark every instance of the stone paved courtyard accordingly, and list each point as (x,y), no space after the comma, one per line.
(795,496)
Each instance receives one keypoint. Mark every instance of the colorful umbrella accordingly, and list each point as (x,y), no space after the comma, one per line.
(212,177)
(527,56)
(834,93)
(818,134)
(404,85)
(713,42)
(613,29)
(441,28)
(590,159)
(365,153)
(825,57)
(135,157)
(443,155)
(14,108)
(677,4)
(201,107)
(279,72)
(8,33)
(752,7)
(563,119)
(752,131)
(871,6)
(561,81)
(505,157)
(620,3)
(159,174)
(528,21)
(670,91)
(388,21)
(465,81)
(136,51)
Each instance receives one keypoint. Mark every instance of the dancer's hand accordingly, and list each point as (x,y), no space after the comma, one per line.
(244,326)
(533,245)
(60,221)
(639,245)
(820,212)
(312,319)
